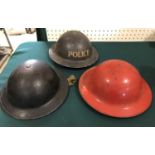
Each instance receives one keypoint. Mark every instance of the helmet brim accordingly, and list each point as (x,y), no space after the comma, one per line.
(38,112)
(115,110)
(72,63)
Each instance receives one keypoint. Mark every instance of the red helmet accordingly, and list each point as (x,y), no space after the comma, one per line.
(115,88)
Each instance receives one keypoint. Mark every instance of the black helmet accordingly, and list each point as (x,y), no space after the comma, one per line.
(33,90)
(73,49)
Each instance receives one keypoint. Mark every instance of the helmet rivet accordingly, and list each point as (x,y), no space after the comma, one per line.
(28,65)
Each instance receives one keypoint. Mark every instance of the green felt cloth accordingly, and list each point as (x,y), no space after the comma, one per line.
(74,111)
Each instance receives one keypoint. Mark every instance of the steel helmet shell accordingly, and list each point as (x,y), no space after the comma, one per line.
(34,89)
(115,88)
(73,49)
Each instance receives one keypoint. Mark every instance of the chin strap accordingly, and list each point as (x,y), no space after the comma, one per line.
(71,80)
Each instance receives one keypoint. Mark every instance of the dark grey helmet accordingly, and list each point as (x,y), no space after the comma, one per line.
(33,90)
(73,49)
